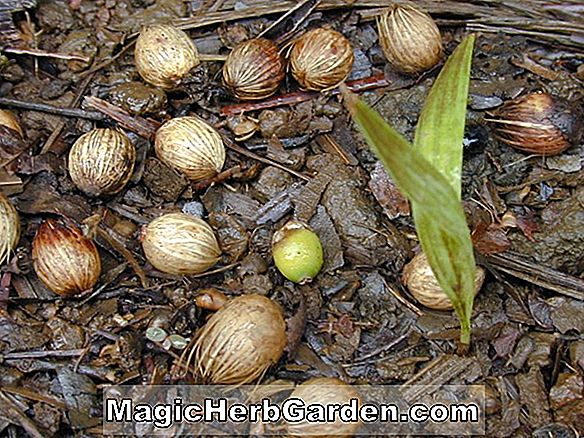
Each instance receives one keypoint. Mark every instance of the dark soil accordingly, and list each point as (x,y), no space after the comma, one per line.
(355,321)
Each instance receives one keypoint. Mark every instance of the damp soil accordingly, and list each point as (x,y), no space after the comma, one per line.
(355,321)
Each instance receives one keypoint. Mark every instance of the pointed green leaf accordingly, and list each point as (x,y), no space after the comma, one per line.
(433,189)
(438,214)
(440,129)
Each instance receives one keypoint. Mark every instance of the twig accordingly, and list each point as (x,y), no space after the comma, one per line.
(126,254)
(231,145)
(43,107)
(529,64)
(43,54)
(209,57)
(547,278)
(34,395)
(401,299)
(139,125)
(329,143)
(270,7)
(301,4)
(365,358)
(215,271)
(57,131)
(220,177)
(356,86)
(40,354)
(15,414)
(108,61)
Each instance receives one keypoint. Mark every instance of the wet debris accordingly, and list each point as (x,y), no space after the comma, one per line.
(9,34)
(567,400)
(354,321)
(80,395)
(559,240)
(353,215)
(232,235)
(534,398)
(163,181)
(567,314)
(394,204)
(307,199)
(271,182)
(322,224)
(277,207)
(137,98)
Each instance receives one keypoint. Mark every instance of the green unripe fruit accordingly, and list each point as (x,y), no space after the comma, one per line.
(297,252)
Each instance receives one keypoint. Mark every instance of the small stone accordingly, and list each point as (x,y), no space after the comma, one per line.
(178,342)
(194,208)
(156,334)
(565,162)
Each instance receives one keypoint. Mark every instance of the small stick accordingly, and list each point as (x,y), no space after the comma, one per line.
(43,54)
(34,395)
(15,415)
(357,86)
(231,145)
(207,57)
(107,62)
(95,225)
(219,178)
(42,107)
(285,16)
(215,271)
(57,131)
(41,354)
(126,254)
(139,125)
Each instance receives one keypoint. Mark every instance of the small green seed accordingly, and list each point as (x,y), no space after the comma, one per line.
(297,252)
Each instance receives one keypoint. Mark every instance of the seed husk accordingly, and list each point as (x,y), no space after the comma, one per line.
(409,38)
(321,59)
(324,391)
(422,284)
(165,55)
(101,162)
(180,244)
(9,227)
(539,123)
(191,146)
(64,259)
(239,342)
(254,69)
